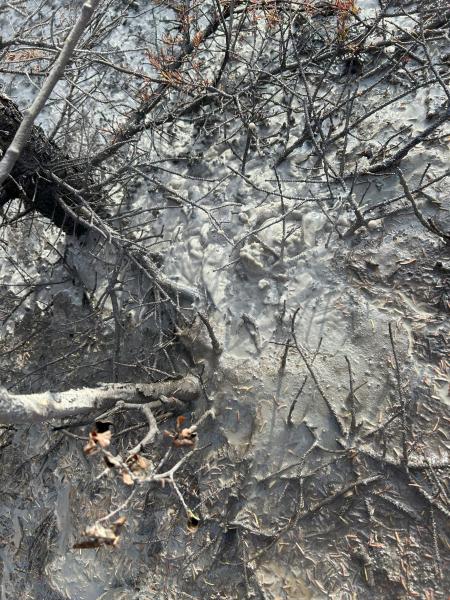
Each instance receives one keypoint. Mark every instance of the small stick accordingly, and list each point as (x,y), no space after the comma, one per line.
(216,345)
(314,377)
(402,402)
(152,427)
(351,431)
(290,422)
(294,402)
(437,554)
(427,223)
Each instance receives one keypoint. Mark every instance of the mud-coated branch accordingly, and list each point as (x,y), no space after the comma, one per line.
(35,408)
(22,134)
(394,160)
(152,427)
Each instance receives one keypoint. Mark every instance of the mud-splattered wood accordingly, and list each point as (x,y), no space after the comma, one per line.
(34,408)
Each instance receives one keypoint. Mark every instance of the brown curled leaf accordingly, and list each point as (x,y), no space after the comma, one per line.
(182,437)
(180,421)
(90,447)
(127,478)
(97,439)
(136,462)
(180,442)
(138,465)
(98,535)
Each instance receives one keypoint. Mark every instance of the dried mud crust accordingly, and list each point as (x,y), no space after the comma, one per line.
(280,517)
(366,525)
(331,506)
(326,504)
(424,276)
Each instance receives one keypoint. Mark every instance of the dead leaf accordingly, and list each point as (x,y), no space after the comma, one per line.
(98,535)
(103,439)
(182,437)
(138,465)
(97,439)
(126,478)
(180,421)
(137,462)
(197,39)
(90,447)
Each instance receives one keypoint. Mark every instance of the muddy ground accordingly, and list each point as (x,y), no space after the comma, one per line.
(301,488)
(325,470)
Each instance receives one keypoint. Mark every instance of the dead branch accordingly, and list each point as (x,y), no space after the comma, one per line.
(23,132)
(152,427)
(35,408)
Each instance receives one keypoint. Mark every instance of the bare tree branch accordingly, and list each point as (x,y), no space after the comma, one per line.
(22,135)
(34,408)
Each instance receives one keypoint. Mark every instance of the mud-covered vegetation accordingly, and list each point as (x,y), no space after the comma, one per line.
(224,299)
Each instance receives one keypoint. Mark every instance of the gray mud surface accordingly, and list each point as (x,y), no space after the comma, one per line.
(324,473)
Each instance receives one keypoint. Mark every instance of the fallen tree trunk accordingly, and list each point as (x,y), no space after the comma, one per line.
(18,409)
(31,178)
(52,184)
(21,136)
